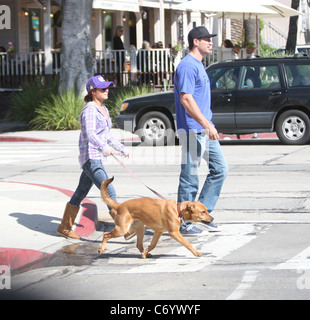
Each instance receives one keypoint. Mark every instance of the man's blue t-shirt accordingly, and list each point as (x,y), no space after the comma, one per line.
(192,78)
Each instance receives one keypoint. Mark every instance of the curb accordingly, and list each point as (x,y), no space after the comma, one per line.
(16,258)
(268,135)
(23,139)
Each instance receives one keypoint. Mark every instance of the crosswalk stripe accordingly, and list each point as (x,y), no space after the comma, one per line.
(234,237)
(300,261)
(13,153)
(246,283)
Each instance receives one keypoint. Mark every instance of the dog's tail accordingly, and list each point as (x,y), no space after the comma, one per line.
(105,196)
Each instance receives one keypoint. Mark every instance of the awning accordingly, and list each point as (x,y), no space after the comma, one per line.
(238,8)
(120,5)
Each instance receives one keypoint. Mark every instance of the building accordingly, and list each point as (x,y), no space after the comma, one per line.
(35,24)
(34,28)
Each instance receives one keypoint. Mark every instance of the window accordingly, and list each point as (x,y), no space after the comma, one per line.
(108,22)
(298,75)
(224,78)
(261,77)
(35,29)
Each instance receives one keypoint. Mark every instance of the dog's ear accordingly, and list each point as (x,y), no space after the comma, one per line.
(190,207)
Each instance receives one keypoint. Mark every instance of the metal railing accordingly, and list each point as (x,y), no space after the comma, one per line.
(20,64)
(273,36)
(136,66)
(154,67)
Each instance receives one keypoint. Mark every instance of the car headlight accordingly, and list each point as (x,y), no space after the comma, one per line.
(124,106)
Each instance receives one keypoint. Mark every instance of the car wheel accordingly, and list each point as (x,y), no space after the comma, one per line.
(155,129)
(293,127)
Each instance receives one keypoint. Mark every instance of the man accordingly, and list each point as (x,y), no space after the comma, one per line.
(198,135)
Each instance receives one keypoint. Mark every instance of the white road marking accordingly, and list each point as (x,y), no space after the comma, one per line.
(246,283)
(12,154)
(231,238)
(300,261)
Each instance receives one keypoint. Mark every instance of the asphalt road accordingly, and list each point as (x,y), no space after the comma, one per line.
(262,252)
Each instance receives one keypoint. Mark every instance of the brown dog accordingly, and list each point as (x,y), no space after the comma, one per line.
(159,215)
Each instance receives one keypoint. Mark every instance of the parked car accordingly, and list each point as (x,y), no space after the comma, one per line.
(248,96)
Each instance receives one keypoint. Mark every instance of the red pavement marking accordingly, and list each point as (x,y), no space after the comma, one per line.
(267,135)
(22,139)
(16,258)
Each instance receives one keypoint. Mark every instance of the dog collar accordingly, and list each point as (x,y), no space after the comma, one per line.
(179,210)
(180,214)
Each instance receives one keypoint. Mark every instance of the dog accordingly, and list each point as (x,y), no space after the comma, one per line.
(158,215)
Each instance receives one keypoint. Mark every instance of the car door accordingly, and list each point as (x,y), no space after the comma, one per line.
(224,83)
(298,78)
(261,94)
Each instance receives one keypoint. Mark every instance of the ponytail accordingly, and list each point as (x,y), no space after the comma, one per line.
(88,97)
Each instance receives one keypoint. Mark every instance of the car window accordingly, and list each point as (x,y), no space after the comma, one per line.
(298,75)
(224,78)
(304,50)
(261,77)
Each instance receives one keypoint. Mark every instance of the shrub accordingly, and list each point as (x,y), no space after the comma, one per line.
(60,112)
(42,108)
(24,104)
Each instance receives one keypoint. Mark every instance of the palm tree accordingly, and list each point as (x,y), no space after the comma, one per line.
(76,48)
(292,33)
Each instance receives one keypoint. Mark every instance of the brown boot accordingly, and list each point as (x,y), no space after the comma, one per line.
(130,234)
(65,228)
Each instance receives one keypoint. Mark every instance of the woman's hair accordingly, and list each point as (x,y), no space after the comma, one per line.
(89,96)
(117,30)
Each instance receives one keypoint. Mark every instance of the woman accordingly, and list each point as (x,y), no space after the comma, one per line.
(120,56)
(96,143)
(117,40)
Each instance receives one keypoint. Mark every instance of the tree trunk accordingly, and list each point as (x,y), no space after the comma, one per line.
(77,62)
(250,32)
(292,33)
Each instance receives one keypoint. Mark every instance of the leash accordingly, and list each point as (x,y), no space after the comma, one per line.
(155,192)
(137,178)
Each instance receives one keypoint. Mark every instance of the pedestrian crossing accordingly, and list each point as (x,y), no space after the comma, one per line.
(13,153)
(263,245)
(213,246)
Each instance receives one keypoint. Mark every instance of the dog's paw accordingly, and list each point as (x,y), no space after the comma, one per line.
(198,254)
(145,255)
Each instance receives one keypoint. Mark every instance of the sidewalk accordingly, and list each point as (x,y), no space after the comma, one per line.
(31,213)
(30,216)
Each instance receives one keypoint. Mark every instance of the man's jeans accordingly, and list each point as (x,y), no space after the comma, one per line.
(93,173)
(194,147)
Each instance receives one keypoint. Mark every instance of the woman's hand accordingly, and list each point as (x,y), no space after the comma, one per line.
(111,152)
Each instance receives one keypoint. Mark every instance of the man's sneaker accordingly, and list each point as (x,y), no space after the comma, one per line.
(211,226)
(190,230)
